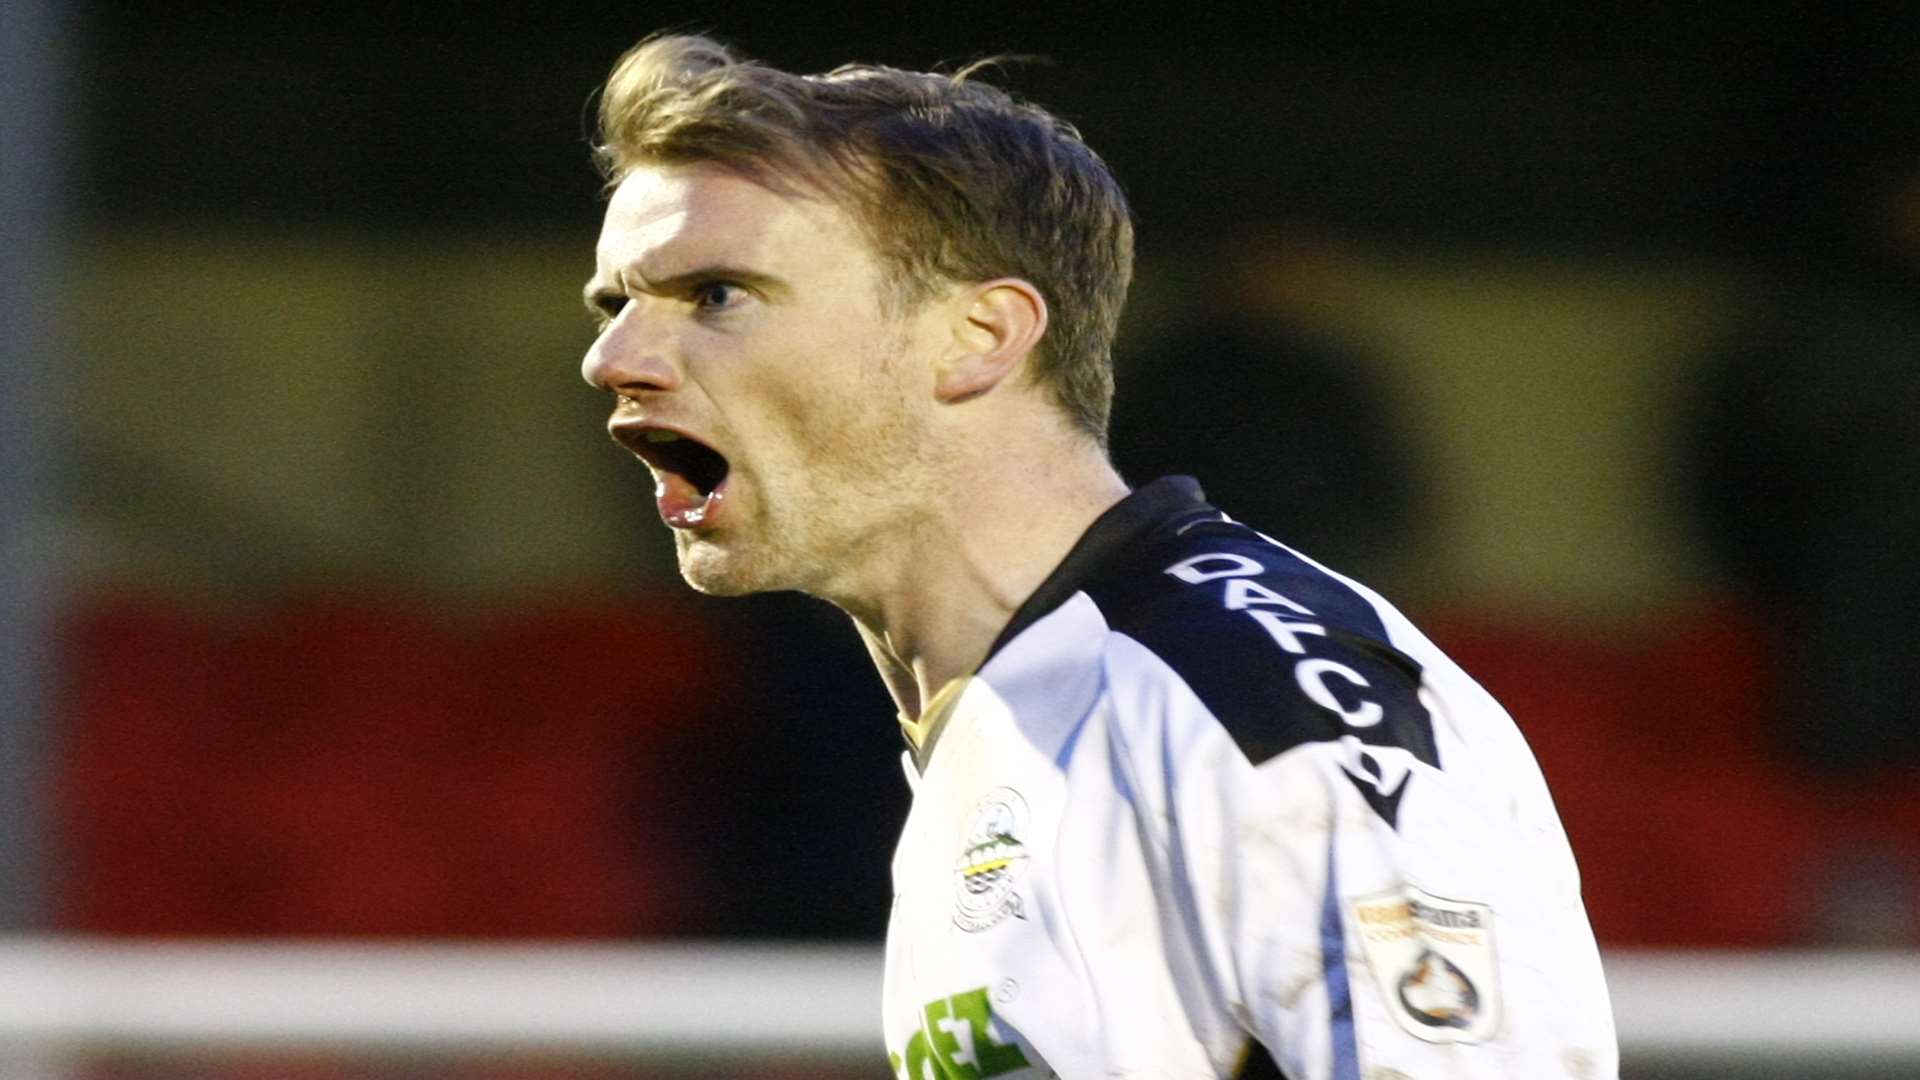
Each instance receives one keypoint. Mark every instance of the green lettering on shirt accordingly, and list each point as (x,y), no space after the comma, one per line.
(935,1051)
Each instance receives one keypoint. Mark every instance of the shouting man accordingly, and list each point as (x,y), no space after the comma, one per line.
(1186,803)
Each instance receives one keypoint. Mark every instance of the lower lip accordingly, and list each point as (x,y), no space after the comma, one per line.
(699,515)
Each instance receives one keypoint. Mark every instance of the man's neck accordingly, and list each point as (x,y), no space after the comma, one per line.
(955,584)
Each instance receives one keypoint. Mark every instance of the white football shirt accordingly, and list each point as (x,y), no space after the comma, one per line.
(1212,810)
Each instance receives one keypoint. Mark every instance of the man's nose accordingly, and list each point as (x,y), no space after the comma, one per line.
(633,353)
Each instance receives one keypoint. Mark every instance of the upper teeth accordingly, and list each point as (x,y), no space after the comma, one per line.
(659,435)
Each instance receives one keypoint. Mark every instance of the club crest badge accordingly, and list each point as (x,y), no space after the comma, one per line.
(992,862)
(1433,961)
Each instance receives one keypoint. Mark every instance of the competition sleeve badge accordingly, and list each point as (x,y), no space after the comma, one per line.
(992,862)
(1434,963)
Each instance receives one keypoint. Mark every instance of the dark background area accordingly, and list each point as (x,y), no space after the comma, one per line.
(1662,126)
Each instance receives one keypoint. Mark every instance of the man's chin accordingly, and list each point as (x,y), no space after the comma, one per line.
(716,571)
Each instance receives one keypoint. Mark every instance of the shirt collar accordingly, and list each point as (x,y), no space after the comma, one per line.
(1114,533)
(1170,500)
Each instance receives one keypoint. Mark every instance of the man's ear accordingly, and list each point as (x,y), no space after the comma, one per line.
(996,324)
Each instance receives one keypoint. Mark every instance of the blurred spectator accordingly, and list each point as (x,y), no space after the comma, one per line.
(1289,428)
(1805,443)
(805,794)
(1804,447)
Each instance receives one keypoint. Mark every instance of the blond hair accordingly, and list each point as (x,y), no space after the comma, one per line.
(954,180)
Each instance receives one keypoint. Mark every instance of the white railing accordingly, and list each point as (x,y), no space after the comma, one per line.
(716,1002)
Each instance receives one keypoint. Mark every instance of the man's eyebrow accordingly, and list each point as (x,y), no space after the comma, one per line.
(603,299)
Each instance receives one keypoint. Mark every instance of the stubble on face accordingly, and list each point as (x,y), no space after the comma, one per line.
(835,497)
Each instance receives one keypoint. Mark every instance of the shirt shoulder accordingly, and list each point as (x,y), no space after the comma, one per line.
(1281,651)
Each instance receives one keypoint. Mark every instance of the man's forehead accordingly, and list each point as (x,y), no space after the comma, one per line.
(701,211)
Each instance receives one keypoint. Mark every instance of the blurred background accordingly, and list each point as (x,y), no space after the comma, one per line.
(1592,339)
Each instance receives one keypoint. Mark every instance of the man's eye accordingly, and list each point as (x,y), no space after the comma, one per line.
(715,295)
(607,309)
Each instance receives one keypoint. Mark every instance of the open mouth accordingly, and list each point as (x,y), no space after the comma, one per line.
(690,459)
(691,475)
